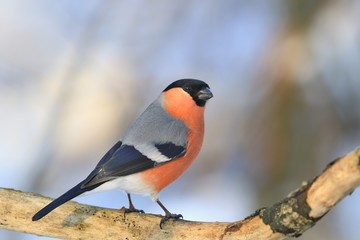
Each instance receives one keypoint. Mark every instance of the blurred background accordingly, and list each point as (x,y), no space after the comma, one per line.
(285,78)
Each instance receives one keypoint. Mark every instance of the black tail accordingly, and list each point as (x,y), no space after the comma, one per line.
(75,191)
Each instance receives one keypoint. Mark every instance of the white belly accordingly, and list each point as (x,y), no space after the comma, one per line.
(131,184)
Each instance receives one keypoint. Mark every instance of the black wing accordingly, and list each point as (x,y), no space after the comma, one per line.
(127,160)
(171,150)
(109,153)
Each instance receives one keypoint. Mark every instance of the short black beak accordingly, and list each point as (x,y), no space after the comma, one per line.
(205,94)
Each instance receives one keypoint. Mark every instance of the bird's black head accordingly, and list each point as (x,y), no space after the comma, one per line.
(197,89)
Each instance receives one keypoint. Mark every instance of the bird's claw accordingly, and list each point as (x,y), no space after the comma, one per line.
(130,210)
(172,216)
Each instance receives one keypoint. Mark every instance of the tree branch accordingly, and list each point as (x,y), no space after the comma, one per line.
(289,217)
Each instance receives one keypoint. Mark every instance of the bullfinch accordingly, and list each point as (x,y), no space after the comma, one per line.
(159,146)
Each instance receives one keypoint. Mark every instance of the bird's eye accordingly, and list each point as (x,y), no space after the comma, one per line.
(187,88)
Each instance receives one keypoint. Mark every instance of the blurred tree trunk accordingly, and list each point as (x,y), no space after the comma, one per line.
(289,132)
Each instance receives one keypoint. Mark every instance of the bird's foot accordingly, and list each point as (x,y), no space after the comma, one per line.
(170,216)
(130,210)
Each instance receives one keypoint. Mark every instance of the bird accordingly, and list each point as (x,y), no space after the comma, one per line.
(156,149)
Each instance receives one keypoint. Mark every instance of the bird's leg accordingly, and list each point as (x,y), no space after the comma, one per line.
(132,207)
(168,214)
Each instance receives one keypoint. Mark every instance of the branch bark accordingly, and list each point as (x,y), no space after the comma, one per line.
(290,217)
